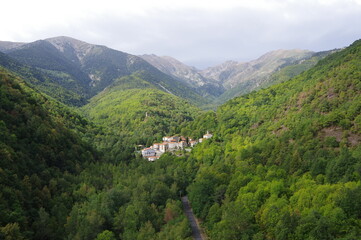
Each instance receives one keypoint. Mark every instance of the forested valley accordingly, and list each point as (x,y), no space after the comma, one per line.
(284,162)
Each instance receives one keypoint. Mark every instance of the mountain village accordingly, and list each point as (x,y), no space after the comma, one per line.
(171,144)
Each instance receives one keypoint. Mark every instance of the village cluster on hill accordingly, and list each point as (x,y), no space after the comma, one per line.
(171,144)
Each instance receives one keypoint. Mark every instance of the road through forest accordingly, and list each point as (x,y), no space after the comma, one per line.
(196,231)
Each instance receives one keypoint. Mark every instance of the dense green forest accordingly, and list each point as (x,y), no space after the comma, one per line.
(42,149)
(283,163)
(135,201)
(56,185)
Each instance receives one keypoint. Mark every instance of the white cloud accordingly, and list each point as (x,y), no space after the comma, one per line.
(200,32)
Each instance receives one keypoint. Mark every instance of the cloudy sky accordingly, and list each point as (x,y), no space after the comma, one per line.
(198,32)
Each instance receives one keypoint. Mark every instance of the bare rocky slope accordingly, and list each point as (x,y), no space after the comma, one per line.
(232,78)
(187,74)
(232,73)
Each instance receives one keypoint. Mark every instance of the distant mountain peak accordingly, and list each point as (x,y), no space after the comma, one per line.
(6,45)
(66,40)
(71,45)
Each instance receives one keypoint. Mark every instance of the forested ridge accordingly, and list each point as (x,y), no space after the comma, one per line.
(42,150)
(47,82)
(283,163)
(133,112)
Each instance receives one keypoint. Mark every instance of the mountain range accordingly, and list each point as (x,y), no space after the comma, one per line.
(232,78)
(84,69)
(73,71)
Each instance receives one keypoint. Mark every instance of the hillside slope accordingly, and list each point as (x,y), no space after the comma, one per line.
(289,69)
(41,145)
(240,78)
(285,161)
(233,73)
(45,81)
(135,112)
